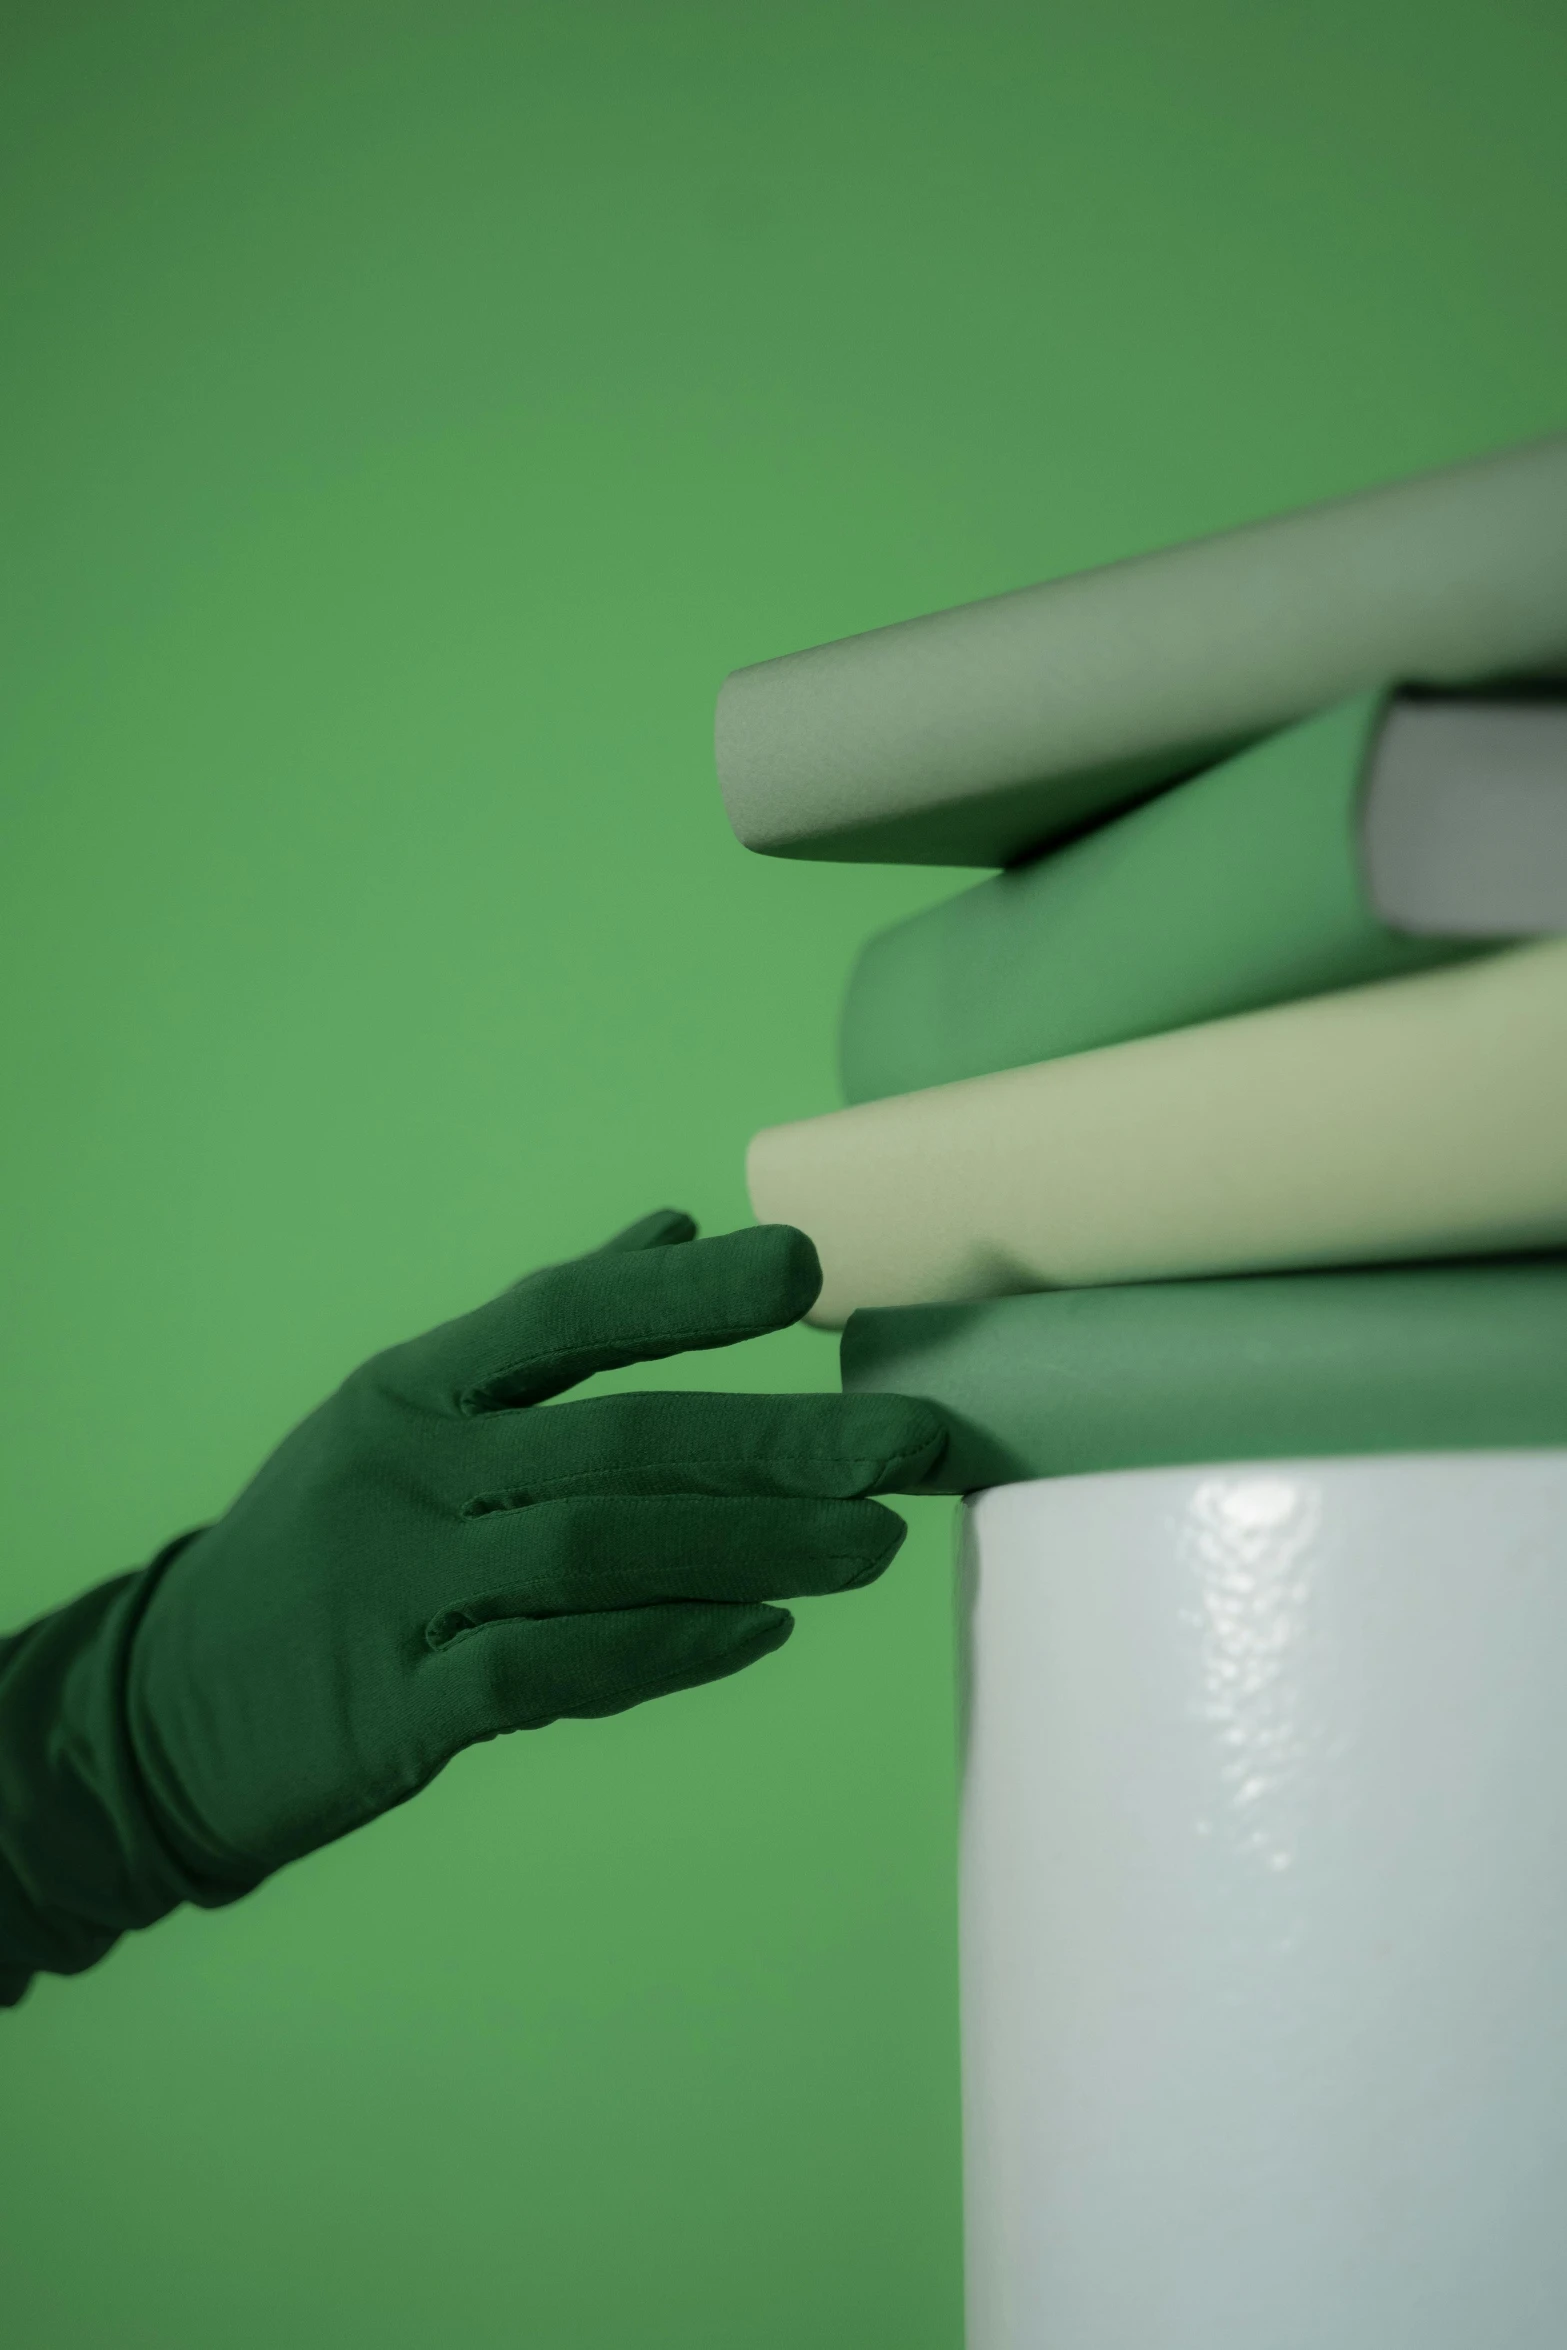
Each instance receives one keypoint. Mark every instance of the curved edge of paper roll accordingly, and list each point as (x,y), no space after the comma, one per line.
(760,1190)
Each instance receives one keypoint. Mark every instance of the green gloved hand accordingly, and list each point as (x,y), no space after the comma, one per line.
(436,1555)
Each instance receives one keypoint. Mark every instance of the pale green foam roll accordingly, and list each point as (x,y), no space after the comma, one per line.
(1415,1358)
(1239,889)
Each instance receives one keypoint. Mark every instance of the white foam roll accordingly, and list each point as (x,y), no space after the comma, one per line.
(1264,1907)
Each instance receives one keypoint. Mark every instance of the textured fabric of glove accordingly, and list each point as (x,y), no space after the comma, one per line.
(438,1554)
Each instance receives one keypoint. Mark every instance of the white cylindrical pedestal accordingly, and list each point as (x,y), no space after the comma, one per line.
(1264,1907)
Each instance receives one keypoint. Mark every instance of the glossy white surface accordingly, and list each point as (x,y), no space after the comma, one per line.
(1265,1907)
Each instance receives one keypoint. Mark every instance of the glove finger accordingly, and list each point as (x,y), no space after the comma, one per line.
(600,1312)
(520,1675)
(651,1442)
(594,1553)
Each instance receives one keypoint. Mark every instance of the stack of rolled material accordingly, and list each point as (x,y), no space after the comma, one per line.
(1229,1118)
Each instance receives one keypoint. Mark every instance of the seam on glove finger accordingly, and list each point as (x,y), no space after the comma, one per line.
(518,1497)
(637,1693)
(676,1342)
(465,1626)
(508,1499)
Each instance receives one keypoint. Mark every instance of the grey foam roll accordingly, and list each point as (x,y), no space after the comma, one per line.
(976,735)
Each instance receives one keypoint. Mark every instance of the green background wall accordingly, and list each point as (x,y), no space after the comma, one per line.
(409,415)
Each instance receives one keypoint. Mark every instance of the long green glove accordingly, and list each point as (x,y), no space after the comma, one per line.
(435,1556)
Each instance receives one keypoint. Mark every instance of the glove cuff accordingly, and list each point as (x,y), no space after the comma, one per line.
(83,1858)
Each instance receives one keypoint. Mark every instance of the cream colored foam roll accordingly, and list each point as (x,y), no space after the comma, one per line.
(1420,1117)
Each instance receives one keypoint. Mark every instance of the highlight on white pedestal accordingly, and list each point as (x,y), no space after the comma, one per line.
(1264,1907)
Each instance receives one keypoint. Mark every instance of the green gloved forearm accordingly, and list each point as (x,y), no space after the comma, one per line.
(429,1560)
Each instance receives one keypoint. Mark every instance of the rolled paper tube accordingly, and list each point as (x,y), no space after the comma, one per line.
(1389,1359)
(1422,1117)
(974,736)
(1243,888)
